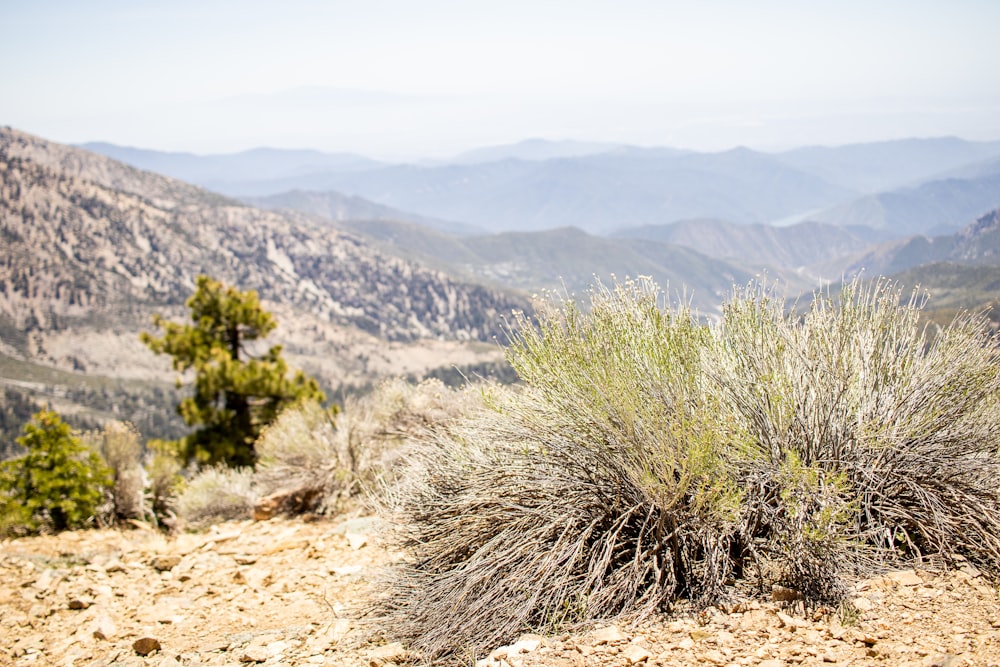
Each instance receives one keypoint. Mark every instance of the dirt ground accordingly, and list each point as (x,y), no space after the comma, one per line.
(290,592)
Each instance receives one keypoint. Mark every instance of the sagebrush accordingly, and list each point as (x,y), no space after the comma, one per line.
(650,457)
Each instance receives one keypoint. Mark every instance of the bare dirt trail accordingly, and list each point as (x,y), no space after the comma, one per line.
(289,592)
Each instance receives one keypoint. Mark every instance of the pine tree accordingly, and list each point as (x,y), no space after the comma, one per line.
(235,394)
(58,483)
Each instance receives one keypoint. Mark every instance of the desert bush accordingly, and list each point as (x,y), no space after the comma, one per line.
(601,489)
(120,446)
(57,484)
(899,436)
(216,494)
(649,457)
(323,460)
(164,482)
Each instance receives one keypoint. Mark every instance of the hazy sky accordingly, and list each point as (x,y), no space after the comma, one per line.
(408,78)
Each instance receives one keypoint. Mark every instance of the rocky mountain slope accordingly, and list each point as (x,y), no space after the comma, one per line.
(797,247)
(85,234)
(93,247)
(978,243)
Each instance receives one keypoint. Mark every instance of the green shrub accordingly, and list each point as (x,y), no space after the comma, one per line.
(650,458)
(56,485)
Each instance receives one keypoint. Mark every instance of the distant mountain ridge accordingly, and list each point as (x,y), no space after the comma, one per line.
(84,232)
(975,244)
(538,184)
(799,247)
(337,207)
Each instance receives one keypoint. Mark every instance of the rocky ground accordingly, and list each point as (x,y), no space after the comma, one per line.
(291,592)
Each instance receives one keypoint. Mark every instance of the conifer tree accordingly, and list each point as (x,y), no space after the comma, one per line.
(235,394)
(58,483)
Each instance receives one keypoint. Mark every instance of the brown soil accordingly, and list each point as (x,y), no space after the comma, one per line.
(290,592)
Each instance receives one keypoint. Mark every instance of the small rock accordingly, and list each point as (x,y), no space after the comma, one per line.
(383,655)
(356,540)
(146,645)
(687,643)
(635,654)
(863,604)
(82,602)
(772,662)
(104,628)
(608,635)
(905,578)
(243,559)
(40,611)
(700,635)
(165,563)
(946,660)
(714,657)
(254,654)
(791,622)
(524,646)
(114,566)
(783,594)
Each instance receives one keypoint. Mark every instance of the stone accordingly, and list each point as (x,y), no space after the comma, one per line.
(165,563)
(791,622)
(635,654)
(608,635)
(81,602)
(254,654)
(863,604)
(783,594)
(104,628)
(905,578)
(687,644)
(356,540)
(524,646)
(387,653)
(146,645)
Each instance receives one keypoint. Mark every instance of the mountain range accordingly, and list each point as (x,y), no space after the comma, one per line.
(416,273)
(93,247)
(900,187)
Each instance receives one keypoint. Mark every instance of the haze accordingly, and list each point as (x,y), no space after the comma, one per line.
(404,80)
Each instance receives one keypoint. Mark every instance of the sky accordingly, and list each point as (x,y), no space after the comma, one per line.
(401,79)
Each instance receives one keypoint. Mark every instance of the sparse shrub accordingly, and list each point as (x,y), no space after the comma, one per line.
(217,494)
(313,459)
(649,457)
(56,485)
(899,435)
(119,445)
(163,474)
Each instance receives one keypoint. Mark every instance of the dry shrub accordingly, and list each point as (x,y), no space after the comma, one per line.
(164,482)
(120,445)
(651,458)
(317,460)
(217,494)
